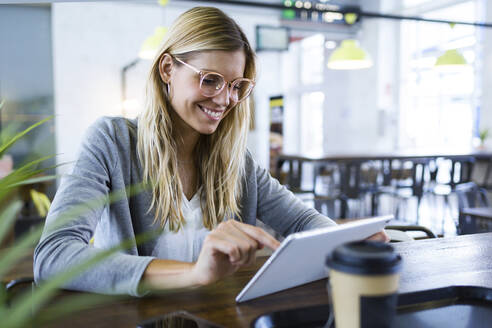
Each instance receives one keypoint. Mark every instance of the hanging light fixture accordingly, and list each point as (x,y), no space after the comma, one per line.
(451,59)
(152,43)
(349,56)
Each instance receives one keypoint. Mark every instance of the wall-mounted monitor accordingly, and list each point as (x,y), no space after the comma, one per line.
(272,38)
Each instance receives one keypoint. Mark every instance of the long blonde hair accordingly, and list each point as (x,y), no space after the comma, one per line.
(220,156)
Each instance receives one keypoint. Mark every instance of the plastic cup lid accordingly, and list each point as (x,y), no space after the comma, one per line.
(365,257)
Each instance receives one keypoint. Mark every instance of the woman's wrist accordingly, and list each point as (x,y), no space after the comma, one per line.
(168,274)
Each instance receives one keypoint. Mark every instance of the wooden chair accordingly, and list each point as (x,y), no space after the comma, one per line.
(350,182)
(18,286)
(398,233)
(404,183)
(475,213)
(460,171)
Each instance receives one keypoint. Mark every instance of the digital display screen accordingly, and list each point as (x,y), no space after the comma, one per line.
(272,38)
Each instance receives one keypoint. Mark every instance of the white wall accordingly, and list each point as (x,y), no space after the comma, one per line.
(93,41)
(360,105)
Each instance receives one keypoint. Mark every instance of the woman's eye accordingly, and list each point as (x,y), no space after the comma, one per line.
(209,81)
(212,80)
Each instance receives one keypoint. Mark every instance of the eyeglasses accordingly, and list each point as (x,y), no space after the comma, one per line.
(212,83)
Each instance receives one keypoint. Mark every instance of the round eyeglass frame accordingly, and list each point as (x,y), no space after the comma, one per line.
(230,84)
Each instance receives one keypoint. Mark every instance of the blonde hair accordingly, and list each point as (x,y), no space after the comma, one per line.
(221,155)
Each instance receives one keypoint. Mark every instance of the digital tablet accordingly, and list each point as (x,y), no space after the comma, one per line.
(300,258)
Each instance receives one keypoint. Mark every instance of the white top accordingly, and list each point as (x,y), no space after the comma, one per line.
(189,238)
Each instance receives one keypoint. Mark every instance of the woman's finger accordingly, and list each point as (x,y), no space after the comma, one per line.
(258,234)
(217,242)
(247,245)
(380,236)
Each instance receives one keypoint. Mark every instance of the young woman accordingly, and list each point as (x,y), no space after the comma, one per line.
(189,144)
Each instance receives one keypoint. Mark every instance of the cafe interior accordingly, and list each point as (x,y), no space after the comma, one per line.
(361,109)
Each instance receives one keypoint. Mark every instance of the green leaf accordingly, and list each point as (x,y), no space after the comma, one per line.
(10,256)
(19,176)
(3,298)
(4,147)
(20,173)
(9,131)
(19,314)
(7,218)
(28,166)
(25,305)
(35,180)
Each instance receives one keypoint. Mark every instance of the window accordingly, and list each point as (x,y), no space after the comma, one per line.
(310,93)
(437,107)
(312,57)
(312,122)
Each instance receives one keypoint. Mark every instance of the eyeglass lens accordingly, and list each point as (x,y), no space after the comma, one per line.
(212,84)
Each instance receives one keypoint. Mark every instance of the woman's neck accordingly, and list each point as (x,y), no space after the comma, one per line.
(186,144)
(186,139)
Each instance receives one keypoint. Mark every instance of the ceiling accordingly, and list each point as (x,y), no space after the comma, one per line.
(333,2)
(336,2)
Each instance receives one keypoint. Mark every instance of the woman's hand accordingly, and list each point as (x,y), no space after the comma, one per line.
(380,236)
(228,247)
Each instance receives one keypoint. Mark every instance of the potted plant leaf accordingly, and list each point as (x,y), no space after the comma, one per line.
(34,209)
(32,308)
(483,135)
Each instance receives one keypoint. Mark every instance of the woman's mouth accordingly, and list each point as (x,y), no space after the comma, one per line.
(212,114)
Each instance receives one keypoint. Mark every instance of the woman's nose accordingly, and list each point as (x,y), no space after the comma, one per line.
(224,97)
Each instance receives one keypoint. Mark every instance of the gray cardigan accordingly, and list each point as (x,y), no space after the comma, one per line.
(107,162)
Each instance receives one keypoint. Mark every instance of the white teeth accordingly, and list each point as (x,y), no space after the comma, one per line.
(213,114)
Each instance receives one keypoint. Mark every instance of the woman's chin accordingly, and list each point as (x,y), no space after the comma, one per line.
(208,131)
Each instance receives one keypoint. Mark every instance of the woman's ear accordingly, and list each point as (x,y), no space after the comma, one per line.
(166,67)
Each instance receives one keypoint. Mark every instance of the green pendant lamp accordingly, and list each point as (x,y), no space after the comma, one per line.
(349,56)
(152,43)
(451,59)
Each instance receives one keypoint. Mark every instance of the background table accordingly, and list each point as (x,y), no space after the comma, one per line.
(480,212)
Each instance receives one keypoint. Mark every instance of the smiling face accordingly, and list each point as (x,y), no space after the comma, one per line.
(196,113)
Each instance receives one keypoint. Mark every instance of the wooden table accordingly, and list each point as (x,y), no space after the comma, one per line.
(427,264)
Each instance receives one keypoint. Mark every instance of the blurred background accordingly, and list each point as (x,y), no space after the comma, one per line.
(82,60)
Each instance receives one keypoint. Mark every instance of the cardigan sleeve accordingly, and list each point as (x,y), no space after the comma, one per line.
(65,244)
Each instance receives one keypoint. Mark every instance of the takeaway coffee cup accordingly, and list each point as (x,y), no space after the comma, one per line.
(363,284)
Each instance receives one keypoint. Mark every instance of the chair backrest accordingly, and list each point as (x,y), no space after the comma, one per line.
(357,179)
(398,233)
(409,174)
(471,195)
(16,287)
(461,170)
(418,177)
